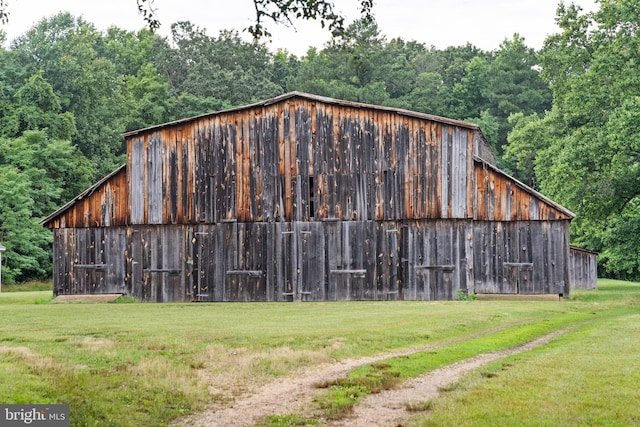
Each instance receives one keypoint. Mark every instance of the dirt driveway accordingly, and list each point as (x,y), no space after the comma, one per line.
(294,394)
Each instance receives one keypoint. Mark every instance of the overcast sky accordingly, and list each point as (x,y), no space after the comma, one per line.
(441,23)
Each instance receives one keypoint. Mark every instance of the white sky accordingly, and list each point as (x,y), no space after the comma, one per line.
(441,23)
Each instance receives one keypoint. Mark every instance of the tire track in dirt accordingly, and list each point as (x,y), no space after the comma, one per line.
(294,394)
(388,408)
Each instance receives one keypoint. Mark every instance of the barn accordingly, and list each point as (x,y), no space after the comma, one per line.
(308,198)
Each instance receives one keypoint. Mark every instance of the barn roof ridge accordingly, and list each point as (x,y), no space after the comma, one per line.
(317,98)
(526,188)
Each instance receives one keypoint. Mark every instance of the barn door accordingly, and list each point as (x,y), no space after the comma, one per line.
(137,279)
(303,258)
(362,260)
(245,262)
(388,272)
(203,265)
(436,282)
(433,253)
(519,275)
(88,262)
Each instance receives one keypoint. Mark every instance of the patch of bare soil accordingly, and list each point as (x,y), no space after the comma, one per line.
(294,394)
(95,298)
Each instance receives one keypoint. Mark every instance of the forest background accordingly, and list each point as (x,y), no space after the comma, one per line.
(564,119)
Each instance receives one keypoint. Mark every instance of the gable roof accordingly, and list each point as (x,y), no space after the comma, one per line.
(316,98)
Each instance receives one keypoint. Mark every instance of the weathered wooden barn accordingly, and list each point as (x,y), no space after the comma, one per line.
(303,197)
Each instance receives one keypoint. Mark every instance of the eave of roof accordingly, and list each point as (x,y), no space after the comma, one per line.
(316,98)
(586,251)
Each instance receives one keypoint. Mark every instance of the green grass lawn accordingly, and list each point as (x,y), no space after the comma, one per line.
(144,364)
(587,377)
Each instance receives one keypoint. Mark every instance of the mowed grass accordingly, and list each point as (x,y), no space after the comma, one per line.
(588,376)
(147,364)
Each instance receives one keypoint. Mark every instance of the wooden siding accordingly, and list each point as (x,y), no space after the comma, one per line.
(437,259)
(103,205)
(498,197)
(297,160)
(583,271)
(312,261)
(524,257)
(145,262)
(303,161)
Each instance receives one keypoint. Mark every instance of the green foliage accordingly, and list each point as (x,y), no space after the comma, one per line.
(27,255)
(516,86)
(465,296)
(36,176)
(225,70)
(66,51)
(584,151)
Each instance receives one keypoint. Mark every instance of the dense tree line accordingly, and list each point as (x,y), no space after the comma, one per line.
(68,92)
(585,151)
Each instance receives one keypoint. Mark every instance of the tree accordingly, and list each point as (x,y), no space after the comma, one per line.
(353,67)
(221,72)
(585,151)
(38,107)
(37,175)
(25,239)
(66,51)
(515,86)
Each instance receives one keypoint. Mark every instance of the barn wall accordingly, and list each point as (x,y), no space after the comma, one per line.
(149,262)
(104,205)
(231,261)
(583,273)
(526,257)
(301,161)
(501,198)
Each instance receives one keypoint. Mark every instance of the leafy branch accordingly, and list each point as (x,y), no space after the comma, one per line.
(148,13)
(284,11)
(278,11)
(4,13)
